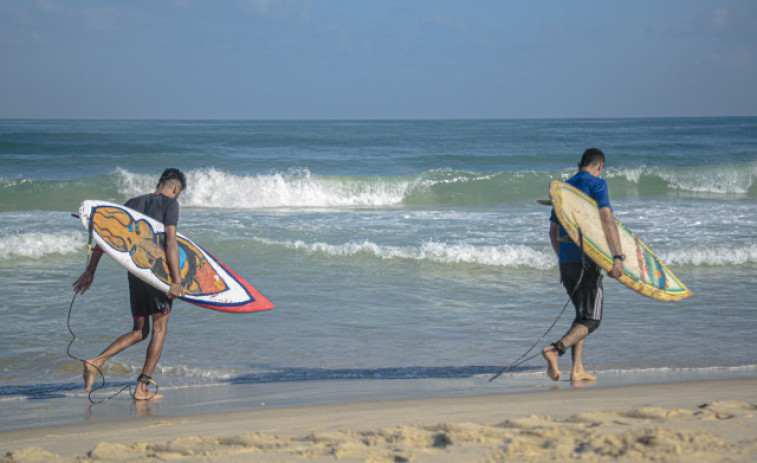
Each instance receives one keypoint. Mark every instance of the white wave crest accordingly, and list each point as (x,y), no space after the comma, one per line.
(503,255)
(218,189)
(513,256)
(510,256)
(212,188)
(723,179)
(37,245)
(712,256)
(131,184)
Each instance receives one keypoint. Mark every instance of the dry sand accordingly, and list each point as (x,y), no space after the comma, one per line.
(709,421)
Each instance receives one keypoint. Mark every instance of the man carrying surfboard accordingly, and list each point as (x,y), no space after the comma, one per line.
(582,277)
(145,300)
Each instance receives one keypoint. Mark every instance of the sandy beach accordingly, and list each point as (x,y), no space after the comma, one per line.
(703,421)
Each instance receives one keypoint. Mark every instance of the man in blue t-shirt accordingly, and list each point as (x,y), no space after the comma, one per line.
(581,277)
(146,301)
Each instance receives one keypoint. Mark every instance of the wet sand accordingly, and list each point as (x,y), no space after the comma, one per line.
(691,421)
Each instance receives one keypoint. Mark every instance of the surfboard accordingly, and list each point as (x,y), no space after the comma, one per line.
(642,270)
(136,241)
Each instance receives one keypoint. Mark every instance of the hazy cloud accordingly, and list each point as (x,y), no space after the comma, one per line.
(386,59)
(299,11)
(458,24)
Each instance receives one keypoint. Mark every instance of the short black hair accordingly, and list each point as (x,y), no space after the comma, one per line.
(591,156)
(173,174)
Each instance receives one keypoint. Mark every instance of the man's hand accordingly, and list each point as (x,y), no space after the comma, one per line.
(617,269)
(172,259)
(175,291)
(82,284)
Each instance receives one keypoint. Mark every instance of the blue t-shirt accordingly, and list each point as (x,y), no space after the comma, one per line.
(595,188)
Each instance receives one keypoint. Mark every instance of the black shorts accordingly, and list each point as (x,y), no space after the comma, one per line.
(146,300)
(587,296)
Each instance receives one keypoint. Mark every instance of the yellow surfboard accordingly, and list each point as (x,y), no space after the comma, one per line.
(643,271)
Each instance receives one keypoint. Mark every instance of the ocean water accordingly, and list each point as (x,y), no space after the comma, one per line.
(391,249)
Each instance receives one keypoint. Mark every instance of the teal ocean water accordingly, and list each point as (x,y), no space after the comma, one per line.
(392,249)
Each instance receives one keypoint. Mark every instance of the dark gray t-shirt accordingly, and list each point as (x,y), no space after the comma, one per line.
(159,207)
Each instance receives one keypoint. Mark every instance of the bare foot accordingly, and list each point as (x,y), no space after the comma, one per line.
(90,374)
(142,393)
(581,375)
(550,355)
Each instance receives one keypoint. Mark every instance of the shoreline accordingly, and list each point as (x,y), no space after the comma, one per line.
(71,405)
(674,415)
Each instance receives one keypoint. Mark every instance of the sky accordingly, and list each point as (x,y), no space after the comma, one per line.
(376,59)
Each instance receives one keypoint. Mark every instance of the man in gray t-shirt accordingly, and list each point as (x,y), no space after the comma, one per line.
(146,301)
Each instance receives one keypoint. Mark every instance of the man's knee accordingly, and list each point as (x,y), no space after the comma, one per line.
(141,330)
(590,324)
(160,323)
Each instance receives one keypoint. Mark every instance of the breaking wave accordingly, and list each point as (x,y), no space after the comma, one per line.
(217,189)
(505,255)
(38,245)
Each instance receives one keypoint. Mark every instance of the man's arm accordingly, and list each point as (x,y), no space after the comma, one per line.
(554,236)
(82,284)
(172,259)
(613,239)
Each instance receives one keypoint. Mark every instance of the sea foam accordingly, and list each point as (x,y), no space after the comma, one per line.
(513,256)
(516,256)
(212,188)
(217,189)
(712,256)
(717,179)
(37,245)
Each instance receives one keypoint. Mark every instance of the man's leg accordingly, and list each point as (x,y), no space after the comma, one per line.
(140,331)
(576,334)
(584,284)
(578,373)
(154,350)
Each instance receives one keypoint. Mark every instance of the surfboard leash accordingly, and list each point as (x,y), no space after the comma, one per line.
(99,371)
(521,360)
(142,378)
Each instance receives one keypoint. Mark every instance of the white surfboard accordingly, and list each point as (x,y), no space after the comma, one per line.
(136,241)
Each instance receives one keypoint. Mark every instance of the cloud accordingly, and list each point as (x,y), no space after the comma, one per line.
(718,19)
(730,59)
(298,11)
(458,24)
(725,22)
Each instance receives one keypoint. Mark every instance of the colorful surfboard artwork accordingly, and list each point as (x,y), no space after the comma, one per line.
(136,241)
(643,271)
